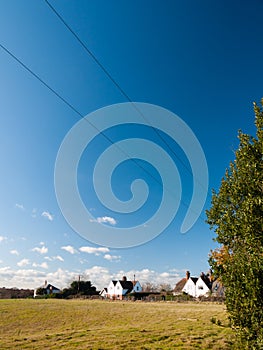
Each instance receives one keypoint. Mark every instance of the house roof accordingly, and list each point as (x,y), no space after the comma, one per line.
(180,285)
(104,290)
(207,281)
(50,286)
(194,279)
(127,285)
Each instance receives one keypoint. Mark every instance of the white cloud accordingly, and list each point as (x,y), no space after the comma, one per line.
(112,257)
(58,257)
(93,250)
(99,276)
(47,215)
(152,276)
(105,220)
(2,238)
(19,206)
(14,252)
(48,258)
(43,265)
(42,250)
(69,249)
(23,262)
(33,278)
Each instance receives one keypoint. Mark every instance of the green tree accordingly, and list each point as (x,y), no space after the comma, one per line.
(79,288)
(41,291)
(83,287)
(236,216)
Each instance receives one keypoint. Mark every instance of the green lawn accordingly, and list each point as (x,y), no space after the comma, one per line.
(95,324)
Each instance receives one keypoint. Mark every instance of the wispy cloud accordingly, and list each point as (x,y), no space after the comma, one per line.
(19,206)
(43,265)
(40,250)
(2,238)
(105,220)
(48,258)
(93,250)
(14,252)
(23,262)
(48,215)
(110,257)
(69,249)
(58,257)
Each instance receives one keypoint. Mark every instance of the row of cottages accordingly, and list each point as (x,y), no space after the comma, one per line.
(194,286)
(119,289)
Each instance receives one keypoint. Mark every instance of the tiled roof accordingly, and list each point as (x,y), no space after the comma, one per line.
(180,285)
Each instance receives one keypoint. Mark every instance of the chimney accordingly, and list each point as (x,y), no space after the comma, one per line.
(124,278)
(45,285)
(187,275)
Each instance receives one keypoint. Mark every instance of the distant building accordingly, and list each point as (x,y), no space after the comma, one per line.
(104,292)
(118,289)
(47,288)
(194,286)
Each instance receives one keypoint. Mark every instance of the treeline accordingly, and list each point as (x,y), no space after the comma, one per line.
(14,293)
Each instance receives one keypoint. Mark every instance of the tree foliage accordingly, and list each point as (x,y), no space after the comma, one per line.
(79,288)
(236,215)
(41,291)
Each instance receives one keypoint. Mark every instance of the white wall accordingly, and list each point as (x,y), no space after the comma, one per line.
(189,288)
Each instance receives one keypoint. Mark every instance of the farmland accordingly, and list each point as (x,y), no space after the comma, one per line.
(96,324)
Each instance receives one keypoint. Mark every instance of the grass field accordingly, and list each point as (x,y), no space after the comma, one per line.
(95,324)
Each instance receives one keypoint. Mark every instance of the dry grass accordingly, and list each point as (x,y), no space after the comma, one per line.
(82,324)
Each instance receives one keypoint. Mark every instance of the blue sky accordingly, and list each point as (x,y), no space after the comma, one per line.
(200,60)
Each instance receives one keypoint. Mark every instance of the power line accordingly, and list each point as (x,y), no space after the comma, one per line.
(41,80)
(90,53)
(75,110)
(82,116)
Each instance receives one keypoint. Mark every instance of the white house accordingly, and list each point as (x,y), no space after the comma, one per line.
(117,289)
(203,286)
(104,293)
(190,286)
(48,289)
(194,286)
